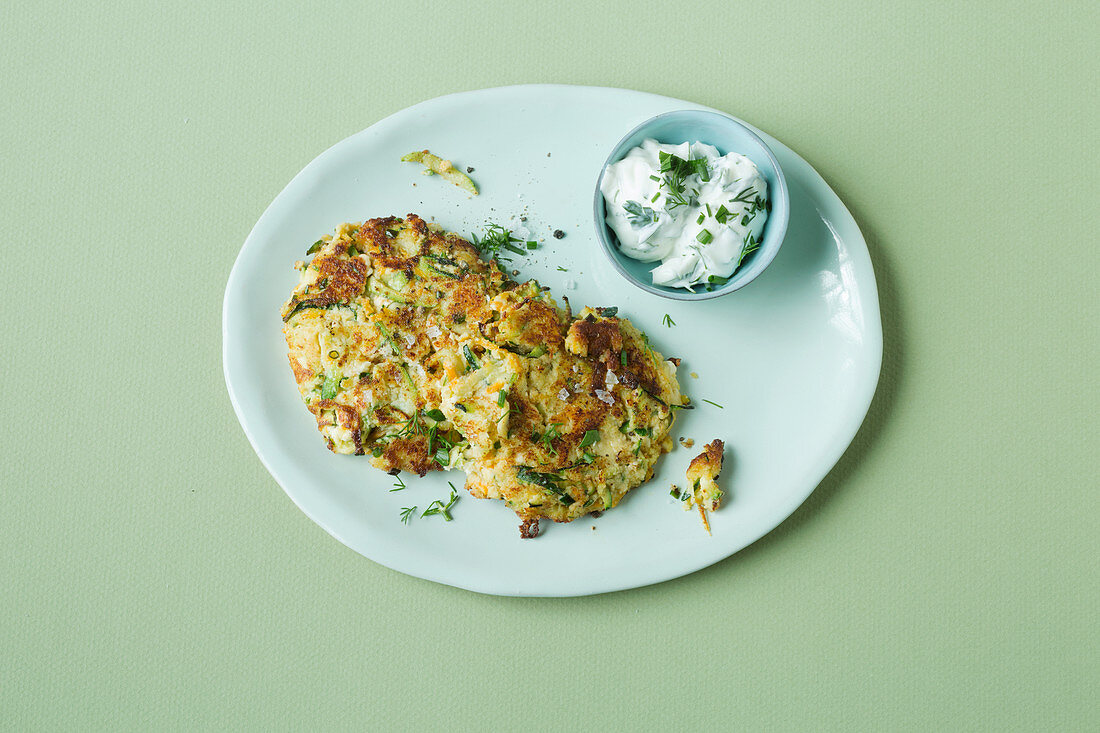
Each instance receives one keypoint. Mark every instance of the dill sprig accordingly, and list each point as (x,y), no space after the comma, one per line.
(547,439)
(407,513)
(438,507)
(398,484)
(667,320)
(497,238)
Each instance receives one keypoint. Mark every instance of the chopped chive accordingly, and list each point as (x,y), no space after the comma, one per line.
(622,358)
(701,218)
(704,236)
(655,197)
(562,269)
(708,210)
(315,247)
(532,245)
(502,397)
(655,178)
(714,403)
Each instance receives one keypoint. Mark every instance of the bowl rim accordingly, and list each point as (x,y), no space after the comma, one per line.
(604,234)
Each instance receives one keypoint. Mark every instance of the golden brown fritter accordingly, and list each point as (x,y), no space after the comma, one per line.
(409,348)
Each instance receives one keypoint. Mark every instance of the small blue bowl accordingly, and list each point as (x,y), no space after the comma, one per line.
(728,135)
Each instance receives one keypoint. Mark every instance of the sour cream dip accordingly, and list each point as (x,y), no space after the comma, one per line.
(697,212)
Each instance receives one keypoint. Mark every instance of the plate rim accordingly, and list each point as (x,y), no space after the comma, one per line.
(834,449)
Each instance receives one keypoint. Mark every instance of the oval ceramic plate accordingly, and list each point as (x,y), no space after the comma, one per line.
(793,358)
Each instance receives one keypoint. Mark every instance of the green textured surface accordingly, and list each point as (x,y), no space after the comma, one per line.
(944,576)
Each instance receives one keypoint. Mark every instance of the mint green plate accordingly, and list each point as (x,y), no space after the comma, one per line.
(794,358)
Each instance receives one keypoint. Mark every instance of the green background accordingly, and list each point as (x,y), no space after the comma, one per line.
(943,576)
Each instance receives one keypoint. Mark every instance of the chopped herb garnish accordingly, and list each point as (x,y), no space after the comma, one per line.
(315,247)
(622,357)
(667,320)
(704,236)
(502,397)
(714,403)
(407,512)
(496,238)
(398,484)
(745,197)
(438,507)
(435,414)
(590,437)
(532,245)
(748,246)
(640,216)
(562,269)
(552,433)
(330,386)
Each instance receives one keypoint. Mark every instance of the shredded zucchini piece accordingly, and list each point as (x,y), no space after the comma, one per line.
(435,164)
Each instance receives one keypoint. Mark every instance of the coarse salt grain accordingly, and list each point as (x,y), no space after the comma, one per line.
(563,394)
(605,396)
(610,380)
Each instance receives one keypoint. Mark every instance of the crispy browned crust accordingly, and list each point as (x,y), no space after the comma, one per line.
(339,280)
(598,338)
(406,454)
(529,528)
(347,417)
(709,461)
(602,339)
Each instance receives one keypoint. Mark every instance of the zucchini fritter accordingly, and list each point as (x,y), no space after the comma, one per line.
(409,348)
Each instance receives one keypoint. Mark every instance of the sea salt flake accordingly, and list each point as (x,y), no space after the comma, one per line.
(563,394)
(605,396)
